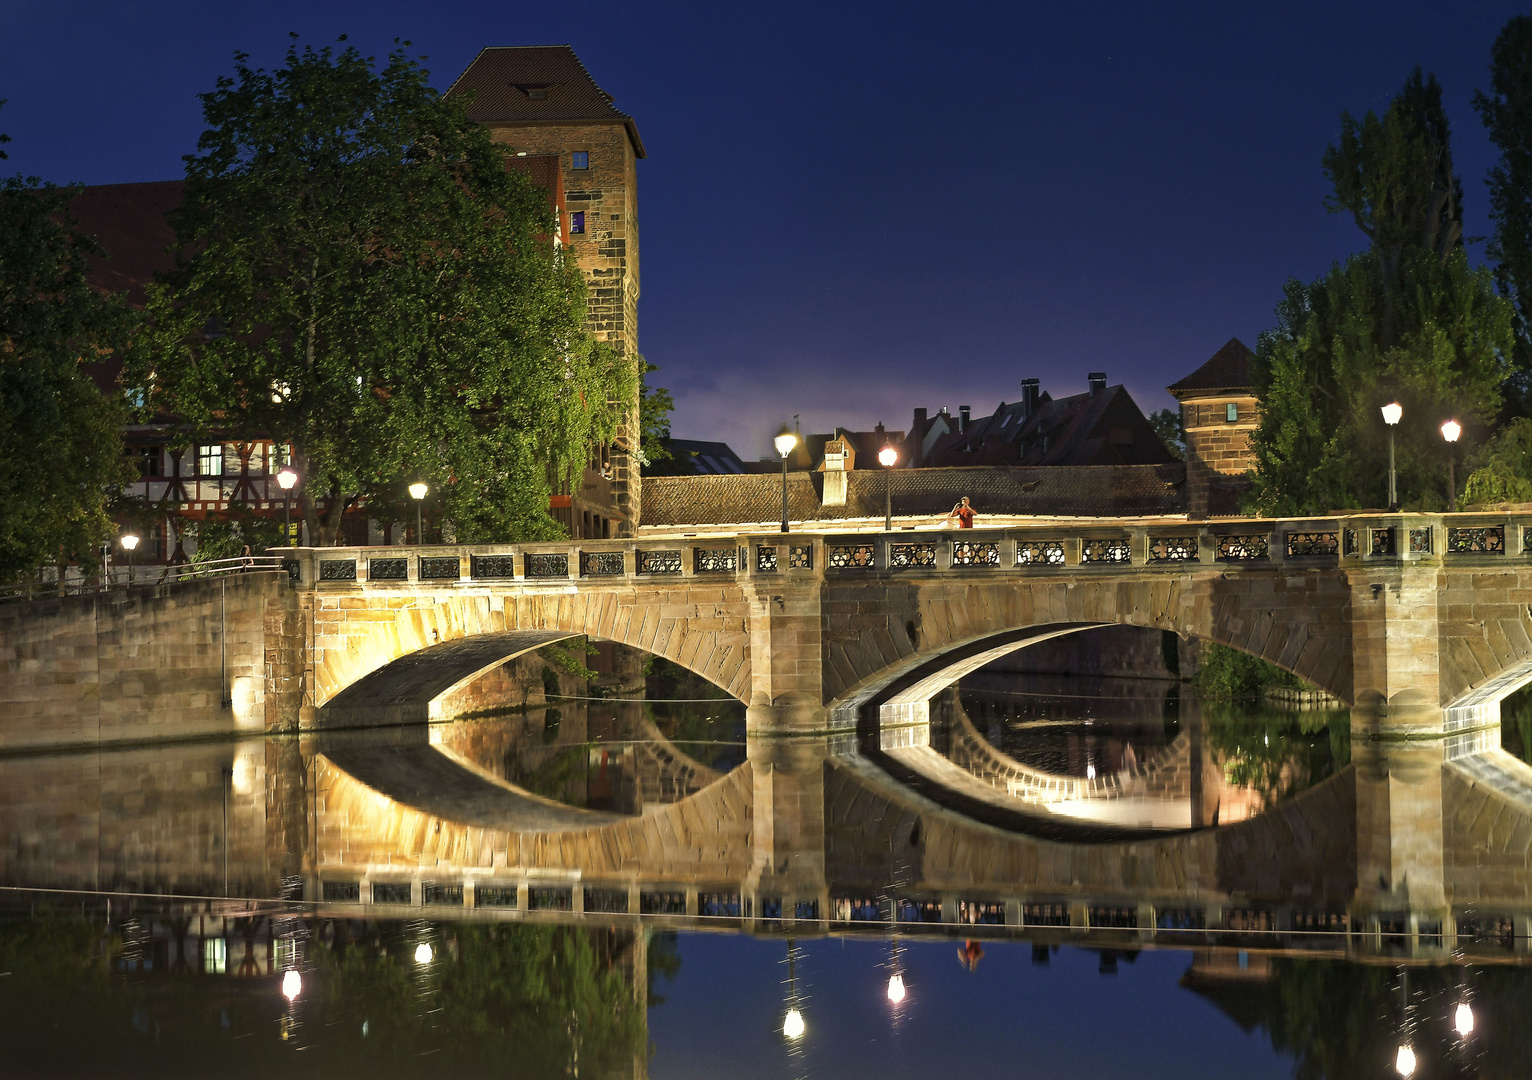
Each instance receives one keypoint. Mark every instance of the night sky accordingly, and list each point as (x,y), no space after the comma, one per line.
(851,210)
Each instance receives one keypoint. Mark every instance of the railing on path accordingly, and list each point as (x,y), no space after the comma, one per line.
(1092,546)
(119,577)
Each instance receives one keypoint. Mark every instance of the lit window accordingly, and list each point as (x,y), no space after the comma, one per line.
(1231,411)
(210,460)
(215,956)
(580,159)
(577,222)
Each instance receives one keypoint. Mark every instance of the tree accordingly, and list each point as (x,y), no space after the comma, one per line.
(60,437)
(366,280)
(654,408)
(1507,112)
(1406,320)
(1168,425)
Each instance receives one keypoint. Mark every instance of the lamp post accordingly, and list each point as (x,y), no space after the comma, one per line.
(129,542)
(1391,414)
(418,493)
(784,442)
(1450,431)
(287,477)
(886,457)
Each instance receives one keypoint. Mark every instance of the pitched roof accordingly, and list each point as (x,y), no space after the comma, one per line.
(128,221)
(689,457)
(537,84)
(1102,428)
(1226,369)
(756,499)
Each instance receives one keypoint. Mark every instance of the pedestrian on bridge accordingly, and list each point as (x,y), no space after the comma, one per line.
(962,513)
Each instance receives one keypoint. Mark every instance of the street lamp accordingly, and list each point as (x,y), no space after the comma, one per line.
(1450,431)
(886,457)
(418,492)
(129,542)
(1391,414)
(784,442)
(287,477)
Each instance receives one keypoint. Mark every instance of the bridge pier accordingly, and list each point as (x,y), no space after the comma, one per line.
(786,658)
(1396,651)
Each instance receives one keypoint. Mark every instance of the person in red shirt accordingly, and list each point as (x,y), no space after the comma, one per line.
(962,513)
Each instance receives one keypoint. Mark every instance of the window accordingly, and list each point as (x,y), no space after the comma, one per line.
(580,159)
(1231,412)
(210,460)
(148,461)
(577,222)
(278,455)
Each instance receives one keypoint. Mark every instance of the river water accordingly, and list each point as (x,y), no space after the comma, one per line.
(188,910)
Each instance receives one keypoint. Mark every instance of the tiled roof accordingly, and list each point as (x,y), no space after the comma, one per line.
(689,457)
(1226,369)
(537,84)
(1102,428)
(1053,491)
(128,221)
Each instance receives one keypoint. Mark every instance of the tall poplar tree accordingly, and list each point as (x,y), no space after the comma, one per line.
(1408,319)
(366,280)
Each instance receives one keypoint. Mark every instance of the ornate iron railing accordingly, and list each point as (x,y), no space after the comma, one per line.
(337,569)
(766,559)
(659,562)
(715,560)
(800,558)
(601,563)
(1246,547)
(1040,553)
(547,564)
(388,569)
(1480,540)
(493,566)
(1302,545)
(1116,550)
(440,568)
(911,556)
(1382,541)
(1420,541)
(1172,549)
(851,556)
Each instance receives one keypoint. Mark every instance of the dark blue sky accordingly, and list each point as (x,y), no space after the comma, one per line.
(852,209)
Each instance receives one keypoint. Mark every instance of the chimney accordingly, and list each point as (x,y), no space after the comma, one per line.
(1097,381)
(964,413)
(920,419)
(1029,397)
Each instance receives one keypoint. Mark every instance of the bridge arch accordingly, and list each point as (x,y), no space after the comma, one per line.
(398,654)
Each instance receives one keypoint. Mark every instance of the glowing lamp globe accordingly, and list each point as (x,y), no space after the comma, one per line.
(292,985)
(1405,1061)
(287,478)
(1463,1019)
(792,1027)
(418,490)
(896,988)
(1451,430)
(423,953)
(1392,412)
(129,541)
(785,441)
(887,456)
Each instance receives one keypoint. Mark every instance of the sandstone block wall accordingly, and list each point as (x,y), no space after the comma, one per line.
(151,662)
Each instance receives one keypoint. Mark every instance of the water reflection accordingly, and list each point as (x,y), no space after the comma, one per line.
(506,883)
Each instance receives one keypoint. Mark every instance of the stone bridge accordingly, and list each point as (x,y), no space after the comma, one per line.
(1422,623)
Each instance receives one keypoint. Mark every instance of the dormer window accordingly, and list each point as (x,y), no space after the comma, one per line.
(535,91)
(580,159)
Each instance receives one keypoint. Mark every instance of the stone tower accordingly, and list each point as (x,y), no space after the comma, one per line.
(1218,413)
(539,100)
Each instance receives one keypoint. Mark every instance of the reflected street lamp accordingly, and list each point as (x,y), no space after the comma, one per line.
(292,984)
(129,542)
(287,477)
(1391,414)
(784,442)
(886,457)
(1450,431)
(1404,1062)
(418,493)
(1463,1020)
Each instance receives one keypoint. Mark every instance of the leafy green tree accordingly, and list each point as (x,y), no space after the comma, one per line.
(1168,425)
(1507,112)
(61,453)
(366,280)
(1502,469)
(654,408)
(1406,320)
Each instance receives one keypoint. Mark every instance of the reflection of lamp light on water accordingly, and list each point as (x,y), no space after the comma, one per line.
(1405,1061)
(1462,1020)
(896,988)
(792,1027)
(292,985)
(423,953)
